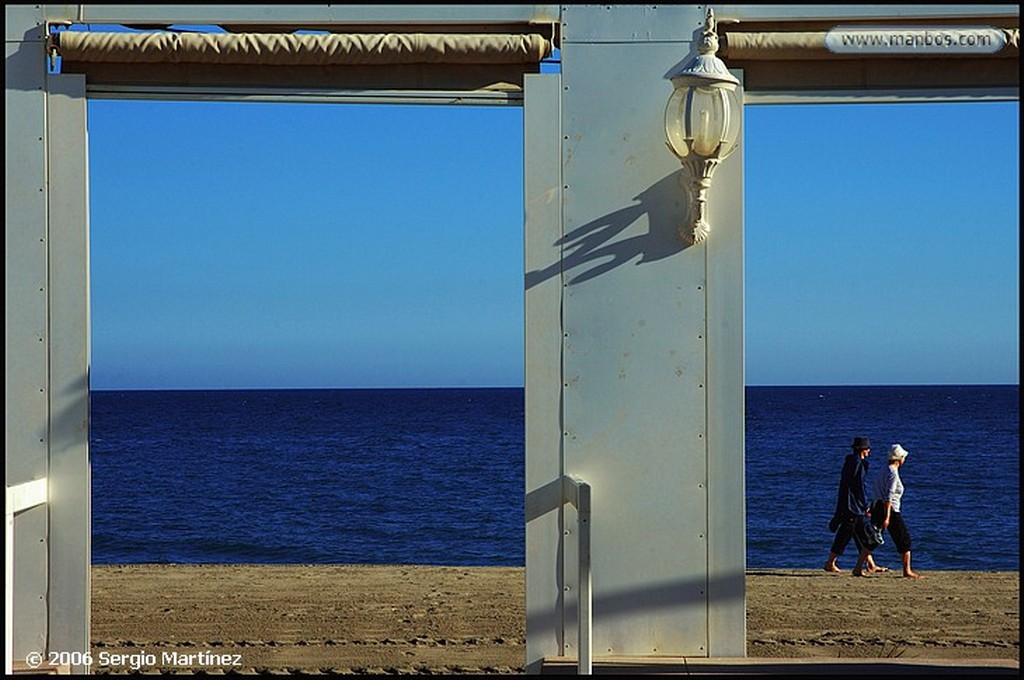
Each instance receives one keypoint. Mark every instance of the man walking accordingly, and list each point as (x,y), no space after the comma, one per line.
(851,508)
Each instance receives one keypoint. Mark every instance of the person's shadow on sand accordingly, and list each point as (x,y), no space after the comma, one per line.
(593,249)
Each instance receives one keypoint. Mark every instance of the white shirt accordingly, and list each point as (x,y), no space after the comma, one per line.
(889,486)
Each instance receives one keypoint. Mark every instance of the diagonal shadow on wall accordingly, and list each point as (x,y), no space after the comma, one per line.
(597,246)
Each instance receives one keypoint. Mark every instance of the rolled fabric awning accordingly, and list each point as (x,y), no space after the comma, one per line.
(774,45)
(289,49)
(807,45)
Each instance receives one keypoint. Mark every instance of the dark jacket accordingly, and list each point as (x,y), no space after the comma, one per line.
(851,500)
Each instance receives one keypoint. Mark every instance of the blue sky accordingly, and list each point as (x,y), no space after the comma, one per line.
(257,245)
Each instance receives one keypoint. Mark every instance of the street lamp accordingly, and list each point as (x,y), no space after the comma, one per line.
(702,123)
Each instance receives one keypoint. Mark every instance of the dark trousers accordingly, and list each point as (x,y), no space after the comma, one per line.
(843,535)
(898,531)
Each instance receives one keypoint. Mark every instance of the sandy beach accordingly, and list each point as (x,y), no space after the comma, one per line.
(422,619)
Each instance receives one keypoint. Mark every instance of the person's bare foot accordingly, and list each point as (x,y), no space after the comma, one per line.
(878,568)
(861,572)
(832,568)
(912,574)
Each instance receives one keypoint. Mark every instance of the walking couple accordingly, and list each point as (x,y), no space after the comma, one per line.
(855,518)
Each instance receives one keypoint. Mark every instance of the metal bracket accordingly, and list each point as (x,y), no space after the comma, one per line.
(19,497)
(576,492)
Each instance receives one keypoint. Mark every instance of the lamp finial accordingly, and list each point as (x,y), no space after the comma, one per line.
(705,65)
(709,39)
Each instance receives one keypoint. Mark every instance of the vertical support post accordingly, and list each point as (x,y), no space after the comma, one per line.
(68,577)
(542,161)
(726,490)
(633,318)
(26,312)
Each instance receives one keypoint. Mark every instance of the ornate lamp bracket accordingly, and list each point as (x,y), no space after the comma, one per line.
(702,124)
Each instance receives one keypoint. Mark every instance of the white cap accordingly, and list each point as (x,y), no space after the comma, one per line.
(897,452)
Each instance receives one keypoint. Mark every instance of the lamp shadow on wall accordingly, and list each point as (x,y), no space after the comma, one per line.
(593,249)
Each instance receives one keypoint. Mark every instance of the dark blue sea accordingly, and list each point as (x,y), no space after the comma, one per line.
(435,476)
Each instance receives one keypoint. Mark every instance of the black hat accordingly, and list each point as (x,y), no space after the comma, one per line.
(861,443)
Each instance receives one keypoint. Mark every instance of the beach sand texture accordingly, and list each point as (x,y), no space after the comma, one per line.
(406,619)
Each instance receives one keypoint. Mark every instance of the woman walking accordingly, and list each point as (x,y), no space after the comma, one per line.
(885,510)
